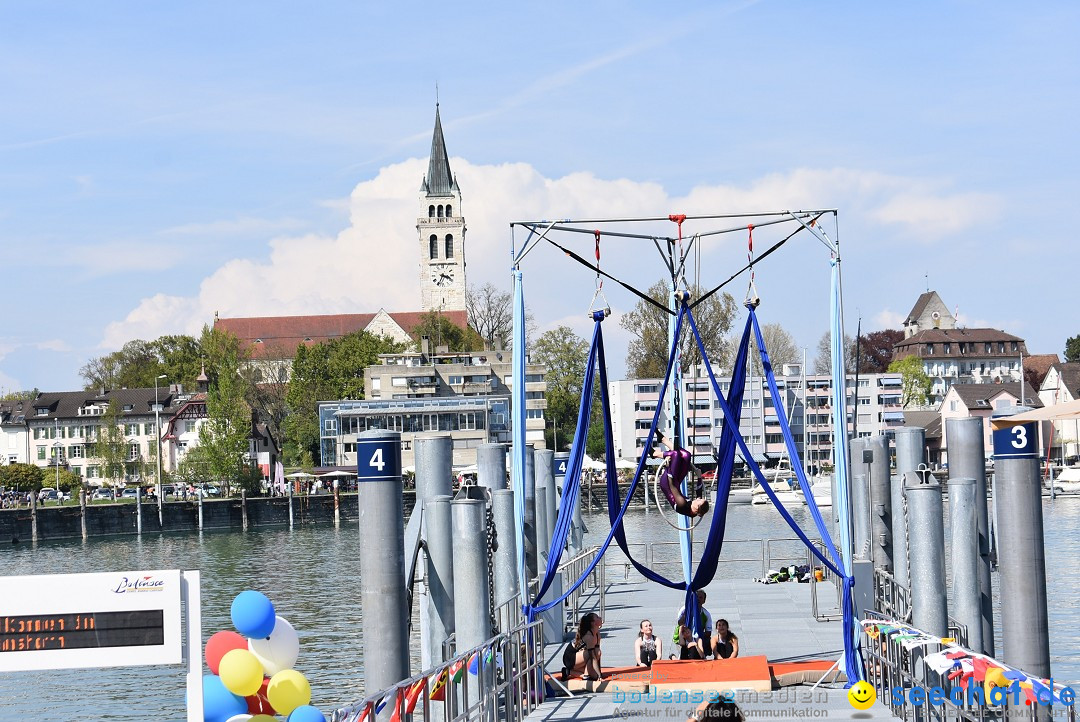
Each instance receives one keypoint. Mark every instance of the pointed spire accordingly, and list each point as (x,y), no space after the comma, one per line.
(439,180)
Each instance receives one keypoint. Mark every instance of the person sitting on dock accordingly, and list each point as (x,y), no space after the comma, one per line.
(647,647)
(671,479)
(583,654)
(689,648)
(726,644)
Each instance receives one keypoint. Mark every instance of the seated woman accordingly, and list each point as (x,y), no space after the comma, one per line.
(689,648)
(671,480)
(583,654)
(647,648)
(725,643)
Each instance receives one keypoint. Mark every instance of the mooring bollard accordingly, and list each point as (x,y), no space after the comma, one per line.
(438,623)
(880,503)
(382,559)
(290,492)
(82,510)
(33,517)
(965,558)
(138,510)
(530,512)
(491,466)
(337,502)
(910,455)
(505,565)
(243,509)
(199,494)
(926,554)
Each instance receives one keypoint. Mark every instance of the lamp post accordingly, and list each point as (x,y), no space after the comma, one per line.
(157,453)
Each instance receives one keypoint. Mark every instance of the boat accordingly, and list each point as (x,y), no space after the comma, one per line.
(1068,481)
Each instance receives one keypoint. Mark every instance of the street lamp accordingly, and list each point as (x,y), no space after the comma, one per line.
(157,454)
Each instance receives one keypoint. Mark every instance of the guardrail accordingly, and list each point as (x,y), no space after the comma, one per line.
(895,669)
(571,571)
(507,685)
(656,554)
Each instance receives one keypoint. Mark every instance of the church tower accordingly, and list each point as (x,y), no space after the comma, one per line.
(441,228)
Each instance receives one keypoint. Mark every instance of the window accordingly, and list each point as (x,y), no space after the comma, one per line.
(41,453)
(534,413)
(987,347)
(534,378)
(93,472)
(431,211)
(929,350)
(646,388)
(433,246)
(75,452)
(952,406)
(1001,347)
(946,348)
(449,245)
(133,452)
(131,429)
(1014,346)
(438,212)
(330,425)
(458,380)
(376,383)
(398,381)
(129,407)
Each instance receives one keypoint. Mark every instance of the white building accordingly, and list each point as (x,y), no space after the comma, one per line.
(1062,385)
(14,439)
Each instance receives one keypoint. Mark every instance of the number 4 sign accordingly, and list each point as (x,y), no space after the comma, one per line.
(378,459)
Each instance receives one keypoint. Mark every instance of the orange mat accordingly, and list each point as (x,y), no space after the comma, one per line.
(718,674)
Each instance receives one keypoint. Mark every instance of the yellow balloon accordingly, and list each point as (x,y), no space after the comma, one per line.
(288,689)
(241,672)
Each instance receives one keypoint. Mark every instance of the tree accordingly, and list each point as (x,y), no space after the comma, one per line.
(21,477)
(915,384)
(139,363)
(778,342)
(29,395)
(564,354)
(647,354)
(876,350)
(823,360)
(441,331)
(111,445)
(491,313)
(224,435)
(1072,349)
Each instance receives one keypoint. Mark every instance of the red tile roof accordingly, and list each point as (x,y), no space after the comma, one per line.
(278,336)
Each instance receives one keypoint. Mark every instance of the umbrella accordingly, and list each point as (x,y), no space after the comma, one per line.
(469,470)
(625,464)
(299,475)
(337,475)
(591,463)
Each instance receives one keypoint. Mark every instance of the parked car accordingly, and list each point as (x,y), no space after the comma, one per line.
(102,494)
(129,493)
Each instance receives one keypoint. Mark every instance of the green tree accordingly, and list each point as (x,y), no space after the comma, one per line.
(111,445)
(915,384)
(139,363)
(441,331)
(21,477)
(564,354)
(647,354)
(225,435)
(1072,349)
(28,395)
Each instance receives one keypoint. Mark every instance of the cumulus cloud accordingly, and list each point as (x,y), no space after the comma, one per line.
(888,318)
(374,262)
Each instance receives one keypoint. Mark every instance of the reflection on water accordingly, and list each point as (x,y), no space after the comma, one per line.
(311,574)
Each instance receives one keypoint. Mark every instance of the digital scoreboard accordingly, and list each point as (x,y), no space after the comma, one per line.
(62,621)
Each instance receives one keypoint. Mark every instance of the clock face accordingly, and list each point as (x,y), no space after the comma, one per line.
(442,276)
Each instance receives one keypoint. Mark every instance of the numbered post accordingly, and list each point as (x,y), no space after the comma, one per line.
(1025,630)
(382,559)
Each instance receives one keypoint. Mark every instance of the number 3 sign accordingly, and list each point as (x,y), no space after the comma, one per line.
(1016,441)
(378,459)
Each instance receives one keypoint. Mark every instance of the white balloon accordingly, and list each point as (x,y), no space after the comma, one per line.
(239,718)
(278,651)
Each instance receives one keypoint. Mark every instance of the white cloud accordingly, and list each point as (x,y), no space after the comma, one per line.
(888,318)
(374,262)
(938,216)
(242,226)
(115,257)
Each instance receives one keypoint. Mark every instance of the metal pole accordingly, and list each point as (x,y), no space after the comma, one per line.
(33,516)
(243,509)
(200,493)
(290,488)
(434,467)
(929,603)
(910,454)
(82,510)
(860,500)
(157,452)
(541,530)
(880,503)
(530,512)
(439,574)
(382,559)
(471,612)
(505,567)
(967,460)
(138,509)
(491,466)
(337,502)
(1022,565)
(965,559)
(545,478)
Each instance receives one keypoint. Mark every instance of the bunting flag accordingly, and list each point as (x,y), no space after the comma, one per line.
(438,689)
(457,670)
(363,715)
(411,696)
(474,661)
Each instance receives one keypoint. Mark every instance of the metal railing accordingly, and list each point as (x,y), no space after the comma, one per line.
(890,598)
(571,571)
(892,668)
(502,679)
(668,553)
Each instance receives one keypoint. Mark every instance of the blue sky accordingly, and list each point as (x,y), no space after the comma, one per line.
(160,162)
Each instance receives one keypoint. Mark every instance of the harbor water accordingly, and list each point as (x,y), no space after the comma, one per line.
(311,575)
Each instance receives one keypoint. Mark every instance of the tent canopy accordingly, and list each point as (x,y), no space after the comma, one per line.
(1069,410)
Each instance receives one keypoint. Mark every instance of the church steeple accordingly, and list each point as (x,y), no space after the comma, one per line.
(439,181)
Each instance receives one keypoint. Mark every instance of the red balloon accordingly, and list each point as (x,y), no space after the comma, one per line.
(221,643)
(258,702)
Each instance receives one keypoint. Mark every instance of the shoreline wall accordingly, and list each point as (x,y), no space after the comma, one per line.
(108,520)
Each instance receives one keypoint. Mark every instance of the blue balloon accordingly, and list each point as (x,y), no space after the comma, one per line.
(307,713)
(253,615)
(219,704)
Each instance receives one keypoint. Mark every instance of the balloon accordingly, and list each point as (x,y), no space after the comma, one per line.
(239,718)
(258,703)
(219,644)
(253,614)
(307,713)
(219,704)
(288,690)
(278,651)
(263,718)
(241,672)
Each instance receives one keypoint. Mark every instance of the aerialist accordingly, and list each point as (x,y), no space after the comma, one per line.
(671,480)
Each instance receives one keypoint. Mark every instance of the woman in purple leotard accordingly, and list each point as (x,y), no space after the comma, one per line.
(671,480)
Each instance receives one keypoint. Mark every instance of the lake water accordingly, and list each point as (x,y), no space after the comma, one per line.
(311,574)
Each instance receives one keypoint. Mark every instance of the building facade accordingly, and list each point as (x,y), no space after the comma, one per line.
(441,230)
(964,356)
(465,395)
(1062,385)
(14,439)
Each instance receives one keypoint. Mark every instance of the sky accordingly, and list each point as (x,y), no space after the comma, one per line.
(163,162)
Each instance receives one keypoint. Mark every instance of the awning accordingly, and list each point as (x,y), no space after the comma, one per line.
(702,459)
(1069,410)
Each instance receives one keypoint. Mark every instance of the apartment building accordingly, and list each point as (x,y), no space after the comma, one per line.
(964,356)
(14,446)
(807,402)
(466,395)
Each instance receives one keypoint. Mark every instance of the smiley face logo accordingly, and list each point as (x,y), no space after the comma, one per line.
(861,695)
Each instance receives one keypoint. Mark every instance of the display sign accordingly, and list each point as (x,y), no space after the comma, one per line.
(378,459)
(68,621)
(1015,440)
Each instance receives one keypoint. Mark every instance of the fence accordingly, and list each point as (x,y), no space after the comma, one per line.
(502,679)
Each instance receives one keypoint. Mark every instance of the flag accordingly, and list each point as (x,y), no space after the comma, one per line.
(457,670)
(474,663)
(413,695)
(438,689)
(397,705)
(366,712)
